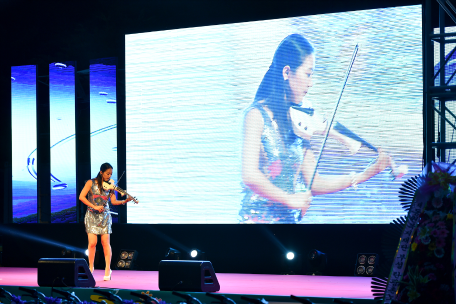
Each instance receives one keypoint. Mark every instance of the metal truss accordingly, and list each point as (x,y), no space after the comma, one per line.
(439,81)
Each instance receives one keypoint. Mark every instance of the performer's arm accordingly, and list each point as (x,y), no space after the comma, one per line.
(83,197)
(251,174)
(324,184)
(114,201)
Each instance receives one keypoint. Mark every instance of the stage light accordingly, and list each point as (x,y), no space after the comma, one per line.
(197,254)
(316,262)
(173,254)
(366,264)
(66,253)
(290,255)
(291,263)
(71,253)
(87,252)
(126,260)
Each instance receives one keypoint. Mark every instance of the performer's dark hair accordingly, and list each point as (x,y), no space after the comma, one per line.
(292,51)
(103,168)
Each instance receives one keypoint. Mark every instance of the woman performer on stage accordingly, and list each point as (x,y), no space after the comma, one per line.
(98,217)
(274,159)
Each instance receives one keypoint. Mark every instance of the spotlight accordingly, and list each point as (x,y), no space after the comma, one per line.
(366,264)
(290,255)
(197,254)
(291,263)
(317,262)
(68,253)
(87,252)
(173,254)
(126,259)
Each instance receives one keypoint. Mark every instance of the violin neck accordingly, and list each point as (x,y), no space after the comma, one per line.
(123,193)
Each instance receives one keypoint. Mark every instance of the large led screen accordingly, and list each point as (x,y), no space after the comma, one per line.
(225,124)
(23,125)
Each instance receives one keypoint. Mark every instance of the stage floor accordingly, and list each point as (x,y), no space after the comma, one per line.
(230,283)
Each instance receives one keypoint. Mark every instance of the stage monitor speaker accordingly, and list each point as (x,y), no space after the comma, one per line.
(181,275)
(61,272)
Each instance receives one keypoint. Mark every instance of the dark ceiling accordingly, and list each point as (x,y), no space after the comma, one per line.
(35,32)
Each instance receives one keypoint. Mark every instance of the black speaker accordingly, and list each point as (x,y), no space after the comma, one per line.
(64,272)
(180,275)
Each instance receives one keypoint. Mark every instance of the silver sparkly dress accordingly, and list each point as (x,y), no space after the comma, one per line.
(98,222)
(281,166)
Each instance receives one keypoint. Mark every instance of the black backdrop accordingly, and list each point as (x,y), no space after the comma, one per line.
(40,32)
(230,248)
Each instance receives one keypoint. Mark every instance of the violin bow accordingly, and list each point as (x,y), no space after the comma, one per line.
(355,51)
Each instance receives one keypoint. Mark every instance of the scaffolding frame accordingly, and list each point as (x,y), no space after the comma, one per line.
(437,88)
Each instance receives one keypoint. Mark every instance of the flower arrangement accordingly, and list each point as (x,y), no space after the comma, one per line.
(429,267)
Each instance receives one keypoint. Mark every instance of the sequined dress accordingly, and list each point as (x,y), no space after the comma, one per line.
(98,222)
(282,167)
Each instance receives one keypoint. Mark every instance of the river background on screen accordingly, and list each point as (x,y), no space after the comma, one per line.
(187,89)
(23,121)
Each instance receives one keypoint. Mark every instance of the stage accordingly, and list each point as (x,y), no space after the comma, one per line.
(273,288)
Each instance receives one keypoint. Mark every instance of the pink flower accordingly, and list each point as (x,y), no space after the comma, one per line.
(430,225)
(432,276)
(443,233)
(435,232)
(441,224)
(275,168)
(435,218)
(440,242)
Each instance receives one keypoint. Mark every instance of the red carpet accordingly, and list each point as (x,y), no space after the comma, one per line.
(230,283)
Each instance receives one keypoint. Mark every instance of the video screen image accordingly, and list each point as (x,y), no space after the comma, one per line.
(62,135)
(226,123)
(103,117)
(23,126)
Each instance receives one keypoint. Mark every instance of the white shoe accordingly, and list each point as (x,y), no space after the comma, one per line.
(108,278)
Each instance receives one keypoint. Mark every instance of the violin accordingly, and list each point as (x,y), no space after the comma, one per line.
(109,185)
(306,122)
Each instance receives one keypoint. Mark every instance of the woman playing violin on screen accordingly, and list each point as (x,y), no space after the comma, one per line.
(98,217)
(274,159)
